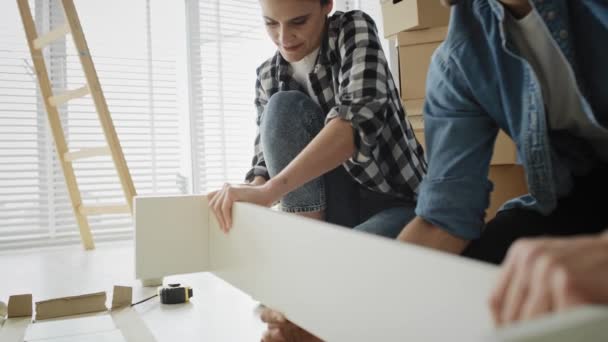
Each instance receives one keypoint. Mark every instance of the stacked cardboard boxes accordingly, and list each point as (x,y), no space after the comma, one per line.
(419,27)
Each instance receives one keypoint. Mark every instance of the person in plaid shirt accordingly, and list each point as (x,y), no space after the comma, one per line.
(333,141)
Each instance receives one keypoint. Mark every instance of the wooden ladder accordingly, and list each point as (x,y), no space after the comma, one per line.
(53,101)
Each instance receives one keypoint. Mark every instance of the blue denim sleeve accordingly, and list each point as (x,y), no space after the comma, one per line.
(459,140)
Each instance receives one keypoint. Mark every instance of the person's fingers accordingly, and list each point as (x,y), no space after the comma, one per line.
(518,289)
(226,209)
(283,325)
(564,293)
(497,298)
(265,315)
(539,298)
(217,202)
(211,195)
(498,295)
(257,311)
(266,336)
(212,202)
(277,335)
(271,316)
(273,335)
(295,333)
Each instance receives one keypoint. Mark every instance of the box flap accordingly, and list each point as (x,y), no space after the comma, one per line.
(430,35)
(122,296)
(67,306)
(20,306)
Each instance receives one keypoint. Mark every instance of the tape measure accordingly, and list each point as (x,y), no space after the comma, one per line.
(175,294)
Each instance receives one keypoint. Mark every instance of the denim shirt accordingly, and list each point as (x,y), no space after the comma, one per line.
(478,84)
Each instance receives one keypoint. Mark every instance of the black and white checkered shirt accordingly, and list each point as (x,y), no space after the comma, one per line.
(352,81)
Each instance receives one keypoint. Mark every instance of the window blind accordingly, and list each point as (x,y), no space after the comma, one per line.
(227,42)
(141,93)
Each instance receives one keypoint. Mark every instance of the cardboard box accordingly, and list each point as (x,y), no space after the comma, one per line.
(404,15)
(505,152)
(414,107)
(415,51)
(509,182)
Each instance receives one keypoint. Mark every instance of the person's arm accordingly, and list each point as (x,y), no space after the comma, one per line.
(329,149)
(423,233)
(454,195)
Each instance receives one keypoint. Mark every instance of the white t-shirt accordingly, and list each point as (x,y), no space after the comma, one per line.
(302,68)
(559,88)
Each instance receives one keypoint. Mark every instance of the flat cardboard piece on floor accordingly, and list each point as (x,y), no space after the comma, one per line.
(13,329)
(20,306)
(106,336)
(69,327)
(68,306)
(122,296)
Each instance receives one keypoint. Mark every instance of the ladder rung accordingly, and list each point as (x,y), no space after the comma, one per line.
(104,209)
(69,95)
(51,36)
(87,153)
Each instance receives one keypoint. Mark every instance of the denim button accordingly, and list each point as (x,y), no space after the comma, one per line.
(563,34)
(551,15)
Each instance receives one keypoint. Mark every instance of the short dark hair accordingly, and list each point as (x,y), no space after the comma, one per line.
(324,2)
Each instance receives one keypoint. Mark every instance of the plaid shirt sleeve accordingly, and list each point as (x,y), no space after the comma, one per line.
(362,98)
(258,164)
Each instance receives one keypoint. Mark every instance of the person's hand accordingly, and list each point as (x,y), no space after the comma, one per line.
(282,330)
(221,201)
(540,276)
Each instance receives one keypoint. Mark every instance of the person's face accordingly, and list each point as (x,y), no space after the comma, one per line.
(295,26)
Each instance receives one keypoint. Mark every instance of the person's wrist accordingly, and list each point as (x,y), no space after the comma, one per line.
(273,190)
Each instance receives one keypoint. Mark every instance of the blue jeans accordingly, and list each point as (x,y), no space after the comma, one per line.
(290,121)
